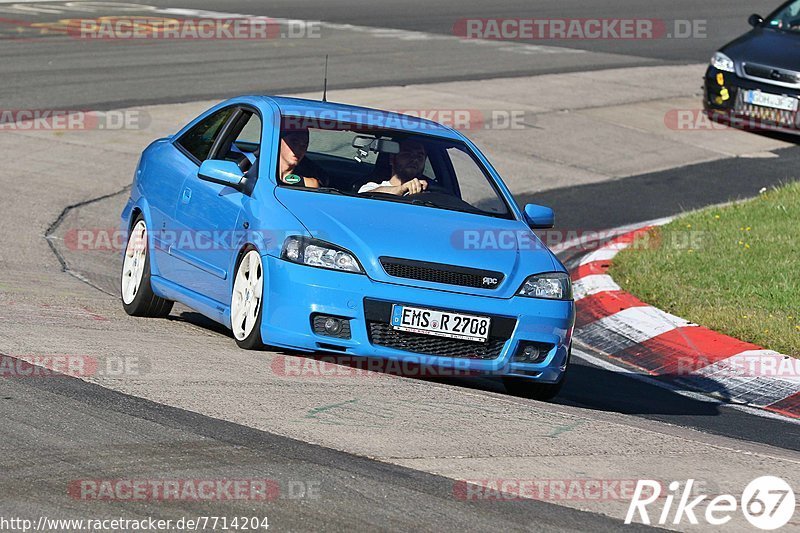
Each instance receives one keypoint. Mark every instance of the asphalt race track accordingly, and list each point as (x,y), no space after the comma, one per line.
(44,69)
(356,451)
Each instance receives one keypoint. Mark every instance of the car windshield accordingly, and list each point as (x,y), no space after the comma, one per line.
(387,165)
(786,18)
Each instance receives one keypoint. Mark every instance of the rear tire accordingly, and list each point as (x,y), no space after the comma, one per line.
(137,295)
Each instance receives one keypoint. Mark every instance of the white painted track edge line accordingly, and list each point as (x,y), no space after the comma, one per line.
(698,396)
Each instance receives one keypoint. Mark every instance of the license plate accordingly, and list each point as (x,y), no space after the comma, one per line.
(775,101)
(440,323)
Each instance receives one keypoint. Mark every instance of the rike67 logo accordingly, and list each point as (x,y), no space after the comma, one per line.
(767,502)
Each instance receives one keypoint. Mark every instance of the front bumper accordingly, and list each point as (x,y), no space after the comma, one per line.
(724,102)
(294,292)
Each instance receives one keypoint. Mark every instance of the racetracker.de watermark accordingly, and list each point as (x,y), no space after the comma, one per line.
(474,119)
(113,239)
(753,364)
(213,29)
(79,366)
(722,120)
(514,29)
(72,120)
(193,490)
(150,28)
(340,366)
(462,119)
(479,239)
(508,489)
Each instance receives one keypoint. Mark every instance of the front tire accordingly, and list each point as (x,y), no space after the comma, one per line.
(138,298)
(528,388)
(247,299)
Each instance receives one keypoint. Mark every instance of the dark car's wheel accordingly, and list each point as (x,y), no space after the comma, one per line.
(138,298)
(528,388)
(246,300)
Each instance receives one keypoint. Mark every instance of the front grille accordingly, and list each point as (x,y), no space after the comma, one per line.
(777,76)
(441,273)
(382,334)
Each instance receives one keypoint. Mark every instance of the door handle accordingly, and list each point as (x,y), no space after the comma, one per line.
(186,196)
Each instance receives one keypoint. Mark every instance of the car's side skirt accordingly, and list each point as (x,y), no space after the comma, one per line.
(213,309)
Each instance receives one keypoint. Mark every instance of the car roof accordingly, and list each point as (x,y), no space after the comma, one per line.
(360,115)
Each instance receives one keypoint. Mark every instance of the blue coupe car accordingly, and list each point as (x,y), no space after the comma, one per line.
(322,227)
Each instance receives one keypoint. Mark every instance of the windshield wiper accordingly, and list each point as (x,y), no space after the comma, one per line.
(428,203)
(331,190)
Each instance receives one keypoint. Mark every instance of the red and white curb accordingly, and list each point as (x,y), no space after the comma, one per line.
(670,348)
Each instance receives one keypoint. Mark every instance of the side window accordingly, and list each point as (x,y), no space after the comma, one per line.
(428,172)
(249,139)
(199,140)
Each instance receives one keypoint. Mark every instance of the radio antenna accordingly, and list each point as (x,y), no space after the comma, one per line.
(325,82)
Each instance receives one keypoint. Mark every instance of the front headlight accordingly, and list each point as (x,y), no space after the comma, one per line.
(722,62)
(552,285)
(316,253)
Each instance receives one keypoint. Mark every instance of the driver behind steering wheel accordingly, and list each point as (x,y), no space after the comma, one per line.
(407,167)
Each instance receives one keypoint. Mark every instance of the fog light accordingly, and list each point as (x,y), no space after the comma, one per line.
(532,352)
(331,326)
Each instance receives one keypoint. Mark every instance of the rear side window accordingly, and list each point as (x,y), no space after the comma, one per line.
(199,140)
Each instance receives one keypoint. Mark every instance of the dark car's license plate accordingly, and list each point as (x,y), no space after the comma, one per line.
(774,101)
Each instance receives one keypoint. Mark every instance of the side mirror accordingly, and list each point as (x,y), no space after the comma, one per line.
(539,216)
(222,172)
(755,20)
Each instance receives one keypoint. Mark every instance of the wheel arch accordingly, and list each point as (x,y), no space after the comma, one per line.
(142,208)
(243,249)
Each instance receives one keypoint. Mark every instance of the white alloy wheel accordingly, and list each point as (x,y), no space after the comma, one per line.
(134,262)
(247,290)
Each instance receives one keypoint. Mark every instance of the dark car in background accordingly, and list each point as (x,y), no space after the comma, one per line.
(753,82)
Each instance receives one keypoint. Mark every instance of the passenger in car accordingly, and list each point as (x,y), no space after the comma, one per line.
(407,167)
(293,147)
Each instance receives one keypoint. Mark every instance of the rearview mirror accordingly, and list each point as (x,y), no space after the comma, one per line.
(221,172)
(755,20)
(539,216)
(385,146)
(366,142)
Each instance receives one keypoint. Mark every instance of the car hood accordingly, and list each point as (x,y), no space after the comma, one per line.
(372,229)
(768,47)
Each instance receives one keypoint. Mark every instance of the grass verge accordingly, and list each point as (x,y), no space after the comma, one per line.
(733,269)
